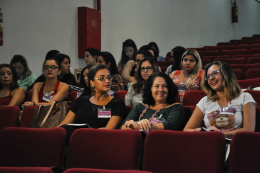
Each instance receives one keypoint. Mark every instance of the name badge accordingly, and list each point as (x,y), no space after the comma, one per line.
(157,119)
(104,113)
(47,96)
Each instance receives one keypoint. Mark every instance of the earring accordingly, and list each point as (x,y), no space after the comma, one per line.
(93,90)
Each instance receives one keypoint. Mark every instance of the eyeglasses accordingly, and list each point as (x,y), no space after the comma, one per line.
(148,68)
(53,67)
(18,68)
(8,73)
(213,74)
(103,78)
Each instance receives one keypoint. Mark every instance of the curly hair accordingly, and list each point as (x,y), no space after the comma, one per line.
(231,87)
(172,89)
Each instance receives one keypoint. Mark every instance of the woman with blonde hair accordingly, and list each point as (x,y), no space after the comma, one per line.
(190,77)
(225,108)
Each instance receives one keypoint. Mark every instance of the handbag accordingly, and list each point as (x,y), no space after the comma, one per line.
(49,116)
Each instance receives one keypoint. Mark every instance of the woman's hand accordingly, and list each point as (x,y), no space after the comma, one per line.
(131,124)
(213,128)
(28,104)
(144,124)
(196,130)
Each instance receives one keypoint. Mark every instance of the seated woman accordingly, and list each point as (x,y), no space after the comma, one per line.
(84,81)
(45,93)
(129,52)
(146,67)
(191,76)
(131,66)
(89,110)
(10,92)
(157,51)
(176,55)
(65,74)
(108,59)
(24,74)
(225,108)
(161,110)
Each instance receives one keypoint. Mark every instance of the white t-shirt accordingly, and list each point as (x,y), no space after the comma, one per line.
(228,118)
(131,98)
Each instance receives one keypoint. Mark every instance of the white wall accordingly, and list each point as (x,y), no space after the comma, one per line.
(33,27)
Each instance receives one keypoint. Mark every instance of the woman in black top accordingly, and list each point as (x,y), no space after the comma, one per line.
(100,110)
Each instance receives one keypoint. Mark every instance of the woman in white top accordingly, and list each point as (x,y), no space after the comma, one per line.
(146,67)
(225,108)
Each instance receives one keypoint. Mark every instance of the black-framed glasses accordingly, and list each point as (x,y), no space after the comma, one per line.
(53,67)
(213,74)
(148,68)
(103,78)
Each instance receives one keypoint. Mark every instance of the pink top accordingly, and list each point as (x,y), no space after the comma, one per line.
(182,87)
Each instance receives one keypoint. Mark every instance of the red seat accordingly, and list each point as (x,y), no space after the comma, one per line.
(104,149)
(163,69)
(188,110)
(214,57)
(191,98)
(26,118)
(245,56)
(172,151)
(253,60)
(245,67)
(249,82)
(205,61)
(25,170)
(9,116)
(254,51)
(247,47)
(244,153)
(232,61)
(252,73)
(208,53)
(168,54)
(239,74)
(231,53)
(128,109)
(31,147)
(72,96)
(89,170)
(224,44)
(120,94)
(220,48)
(164,63)
(255,94)
(167,58)
(28,96)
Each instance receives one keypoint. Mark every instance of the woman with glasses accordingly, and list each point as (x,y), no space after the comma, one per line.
(159,109)
(45,93)
(147,66)
(10,92)
(108,59)
(100,110)
(191,76)
(24,74)
(225,108)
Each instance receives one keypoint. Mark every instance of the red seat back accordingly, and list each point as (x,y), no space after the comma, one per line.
(220,48)
(121,94)
(72,96)
(208,53)
(245,67)
(254,51)
(28,96)
(89,170)
(244,152)
(9,116)
(252,73)
(255,94)
(31,147)
(249,82)
(253,60)
(191,98)
(168,54)
(205,61)
(232,61)
(239,74)
(172,151)
(163,69)
(164,63)
(25,170)
(214,57)
(231,53)
(104,149)
(26,118)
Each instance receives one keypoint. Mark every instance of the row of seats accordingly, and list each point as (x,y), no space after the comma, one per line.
(164,151)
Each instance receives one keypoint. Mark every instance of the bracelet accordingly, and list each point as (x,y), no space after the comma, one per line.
(34,103)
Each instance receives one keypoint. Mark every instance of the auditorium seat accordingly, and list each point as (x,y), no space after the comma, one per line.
(220,48)
(252,73)
(26,118)
(164,63)
(253,60)
(208,53)
(171,151)
(205,61)
(247,47)
(89,170)
(28,96)
(239,74)
(163,69)
(254,51)
(231,53)
(104,149)
(128,109)
(214,57)
(255,94)
(168,54)
(244,84)
(31,147)
(245,56)
(245,67)
(232,61)
(120,94)
(9,116)
(72,96)
(244,152)
(25,170)
(192,97)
